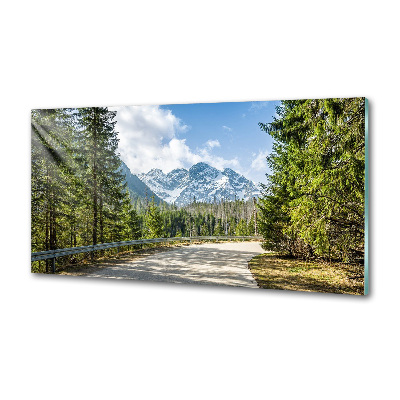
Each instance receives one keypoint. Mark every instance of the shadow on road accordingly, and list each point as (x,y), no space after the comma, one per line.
(214,264)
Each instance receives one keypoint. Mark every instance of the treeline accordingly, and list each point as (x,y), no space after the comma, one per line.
(206,219)
(79,195)
(313,204)
(233,218)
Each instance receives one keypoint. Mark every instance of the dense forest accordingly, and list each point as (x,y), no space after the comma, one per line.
(80,197)
(313,204)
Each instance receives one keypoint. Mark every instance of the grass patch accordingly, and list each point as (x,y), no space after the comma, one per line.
(275,271)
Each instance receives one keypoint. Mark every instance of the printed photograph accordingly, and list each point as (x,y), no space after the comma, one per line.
(262,195)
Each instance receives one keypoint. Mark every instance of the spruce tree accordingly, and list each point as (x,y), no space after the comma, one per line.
(51,177)
(241,228)
(78,191)
(153,221)
(314,202)
(104,181)
(218,230)
(204,230)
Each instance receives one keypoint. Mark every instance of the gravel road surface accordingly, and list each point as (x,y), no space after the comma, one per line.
(209,264)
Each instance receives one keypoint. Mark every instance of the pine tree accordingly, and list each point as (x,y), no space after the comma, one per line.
(204,230)
(104,181)
(153,222)
(178,233)
(241,228)
(52,175)
(314,201)
(78,192)
(218,231)
(251,226)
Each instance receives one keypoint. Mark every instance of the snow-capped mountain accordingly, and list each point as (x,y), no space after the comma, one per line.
(202,182)
(136,187)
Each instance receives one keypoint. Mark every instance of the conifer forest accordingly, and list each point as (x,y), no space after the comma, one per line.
(312,206)
(314,202)
(80,196)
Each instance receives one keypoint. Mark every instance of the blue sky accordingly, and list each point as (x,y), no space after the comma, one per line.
(178,136)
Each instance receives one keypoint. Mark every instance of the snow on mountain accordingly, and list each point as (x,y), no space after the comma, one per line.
(136,187)
(166,186)
(202,182)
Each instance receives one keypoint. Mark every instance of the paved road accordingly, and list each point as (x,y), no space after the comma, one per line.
(209,264)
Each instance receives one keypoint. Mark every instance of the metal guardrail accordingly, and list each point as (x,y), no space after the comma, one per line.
(53,254)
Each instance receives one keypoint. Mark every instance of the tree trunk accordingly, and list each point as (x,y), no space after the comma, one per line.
(95,194)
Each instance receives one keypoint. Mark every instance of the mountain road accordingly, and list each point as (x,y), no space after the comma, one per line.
(223,264)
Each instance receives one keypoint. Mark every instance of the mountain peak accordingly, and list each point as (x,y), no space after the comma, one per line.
(199,166)
(202,181)
(135,185)
(229,171)
(155,171)
(178,170)
(202,168)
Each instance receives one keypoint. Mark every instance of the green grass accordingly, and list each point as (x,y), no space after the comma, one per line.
(276,271)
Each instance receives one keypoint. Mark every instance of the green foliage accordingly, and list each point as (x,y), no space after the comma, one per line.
(153,221)
(178,233)
(204,230)
(314,200)
(79,195)
(218,231)
(201,218)
(241,228)
(232,226)
(251,226)
(133,231)
(78,192)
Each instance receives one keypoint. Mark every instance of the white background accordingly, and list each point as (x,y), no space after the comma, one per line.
(72,338)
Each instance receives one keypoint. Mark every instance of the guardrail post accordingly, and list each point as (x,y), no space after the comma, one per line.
(53,265)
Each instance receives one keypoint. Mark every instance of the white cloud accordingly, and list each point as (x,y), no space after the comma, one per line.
(258,105)
(149,139)
(227,128)
(218,162)
(259,162)
(213,143)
